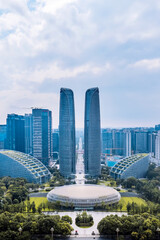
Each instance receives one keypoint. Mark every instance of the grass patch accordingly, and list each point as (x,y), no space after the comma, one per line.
(123,190)
(107,183)
(125,200)
(38,201)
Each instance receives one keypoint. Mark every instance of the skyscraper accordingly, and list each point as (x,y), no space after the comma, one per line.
(141,141)
(28,133)
(42,134)
(67,146)
(107,141)
(126,143)
(55,138)
(157,146)
(3,135)
(92,133)
(15,132)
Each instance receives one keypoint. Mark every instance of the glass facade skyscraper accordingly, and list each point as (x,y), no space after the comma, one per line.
(42,134)
(15,132)
(3,136)
(92,133)
(28,133)
(67,146)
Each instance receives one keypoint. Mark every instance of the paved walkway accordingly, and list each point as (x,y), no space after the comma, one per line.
(129,194)
(38,194)
(97,216)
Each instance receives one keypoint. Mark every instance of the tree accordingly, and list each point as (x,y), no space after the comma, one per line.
(129,207)
(66,218)
(135,235)
(33,207)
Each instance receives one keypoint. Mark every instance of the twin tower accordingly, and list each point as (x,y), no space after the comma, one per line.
(92,133)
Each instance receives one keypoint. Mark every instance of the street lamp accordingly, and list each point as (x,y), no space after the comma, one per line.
(117,230)
(20,230)
(52,230)
(158,230)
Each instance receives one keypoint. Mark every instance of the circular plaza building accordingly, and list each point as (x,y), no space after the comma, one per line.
(83,196)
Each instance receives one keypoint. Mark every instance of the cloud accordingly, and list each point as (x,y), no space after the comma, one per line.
(46,44)
(149,64)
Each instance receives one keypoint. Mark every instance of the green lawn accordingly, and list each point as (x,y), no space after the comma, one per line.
(38,200)
(126,200)
(123,190)
(107,183)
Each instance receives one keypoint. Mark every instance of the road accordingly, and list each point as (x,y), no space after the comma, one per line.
(80,177)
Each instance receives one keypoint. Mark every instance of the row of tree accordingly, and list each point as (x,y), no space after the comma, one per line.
(22,226)
(140,227)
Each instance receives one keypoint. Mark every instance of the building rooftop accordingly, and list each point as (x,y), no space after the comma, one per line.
(84,191)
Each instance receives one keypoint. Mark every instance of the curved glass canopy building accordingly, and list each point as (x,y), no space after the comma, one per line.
(92,133)
(133,166)
(67,145)
(17,164)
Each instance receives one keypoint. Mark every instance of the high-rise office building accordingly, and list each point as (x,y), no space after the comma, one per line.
(141,138)
(118,138)
(157,127)
(55,140)
(42,134)
(28,133)
(107,141)
(3,136)
(15,132)
(151,142)
(67,145)
(157,146)
(92,133)
(126,143)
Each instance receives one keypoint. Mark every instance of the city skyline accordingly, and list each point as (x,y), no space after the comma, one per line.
(46,45)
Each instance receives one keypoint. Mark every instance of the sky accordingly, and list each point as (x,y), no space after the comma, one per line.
(113,45)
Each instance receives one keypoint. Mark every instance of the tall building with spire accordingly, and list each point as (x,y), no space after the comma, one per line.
(92,133)
(67,144)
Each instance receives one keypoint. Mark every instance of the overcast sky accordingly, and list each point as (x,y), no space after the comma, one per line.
(79,44)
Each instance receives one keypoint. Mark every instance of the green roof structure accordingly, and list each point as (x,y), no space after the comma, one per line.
(135,165)
(18,164)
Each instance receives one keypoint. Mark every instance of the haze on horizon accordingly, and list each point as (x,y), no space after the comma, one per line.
(49,44)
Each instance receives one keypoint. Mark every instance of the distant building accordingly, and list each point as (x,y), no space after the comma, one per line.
(3,136)
(141,140)
(15,132)
(17,164)
(67,144)
(92,133)
(157,146)
(107,141)
(28,133)
(133,166)
(157,127)
(42,134)
(126,143)
(55,140)
(116,142)
(118,139)
(151,142)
